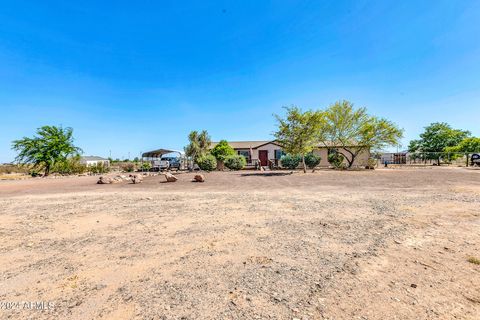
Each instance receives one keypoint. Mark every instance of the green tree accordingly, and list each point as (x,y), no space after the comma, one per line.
(467,145)
(51,144)
(436,138)
(199,144)
(296,132)
(71,165)
(354,131)
(221,151)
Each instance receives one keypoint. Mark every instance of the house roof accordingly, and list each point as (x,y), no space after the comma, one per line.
(92,158)
(245,144)
(257,144)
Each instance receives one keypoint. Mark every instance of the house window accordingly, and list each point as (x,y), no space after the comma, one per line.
(245,153)
(278,154)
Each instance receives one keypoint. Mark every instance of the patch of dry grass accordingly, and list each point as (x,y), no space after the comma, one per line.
(474,260)
(13,176)
(13,168)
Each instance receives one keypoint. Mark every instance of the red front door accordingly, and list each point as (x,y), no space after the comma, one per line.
(263,157)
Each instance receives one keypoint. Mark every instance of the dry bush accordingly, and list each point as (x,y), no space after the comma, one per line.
(14,168)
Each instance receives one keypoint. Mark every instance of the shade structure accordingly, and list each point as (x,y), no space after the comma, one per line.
(159,153)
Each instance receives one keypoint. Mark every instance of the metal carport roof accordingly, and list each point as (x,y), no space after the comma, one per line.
(158,153)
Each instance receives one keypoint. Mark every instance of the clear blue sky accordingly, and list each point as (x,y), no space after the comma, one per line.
(130,76)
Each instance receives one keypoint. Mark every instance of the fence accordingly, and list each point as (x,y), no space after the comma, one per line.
(430,159)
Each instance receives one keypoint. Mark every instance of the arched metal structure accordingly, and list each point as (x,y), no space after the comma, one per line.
(155,158)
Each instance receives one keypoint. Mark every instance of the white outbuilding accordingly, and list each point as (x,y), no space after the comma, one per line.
(94,160)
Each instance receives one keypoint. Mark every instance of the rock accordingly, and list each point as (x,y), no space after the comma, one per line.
(413,285)
(103,180)
(170,177)
(117,180)
(199,178)
(136,178)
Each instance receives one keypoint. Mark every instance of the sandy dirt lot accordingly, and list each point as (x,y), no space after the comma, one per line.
(383,244)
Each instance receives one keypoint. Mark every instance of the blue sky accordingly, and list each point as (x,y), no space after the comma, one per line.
(134,76)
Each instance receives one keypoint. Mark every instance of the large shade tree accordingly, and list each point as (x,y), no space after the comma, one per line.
(435,140)
(353,130)
(296,132)
(50,145)
(199,144)
(467,145)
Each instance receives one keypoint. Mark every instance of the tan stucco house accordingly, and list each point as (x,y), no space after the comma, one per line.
(266,153)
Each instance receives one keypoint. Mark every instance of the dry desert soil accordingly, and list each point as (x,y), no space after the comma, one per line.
(383,244)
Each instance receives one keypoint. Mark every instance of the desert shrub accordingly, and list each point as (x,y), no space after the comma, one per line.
(127,166)
(312,160)
(6,168)
(98,168)
(14,168)
(290,162)
(207,162)
(146,166)
(371,163)
(336,159)
(235,162)
(34,173)
(69,166)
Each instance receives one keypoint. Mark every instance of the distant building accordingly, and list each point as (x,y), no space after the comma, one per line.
(394,157)
(94,160)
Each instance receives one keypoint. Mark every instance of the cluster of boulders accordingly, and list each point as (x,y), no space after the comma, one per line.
(134,178)
(104,180)
(138,178)
(171,178)
(150,174)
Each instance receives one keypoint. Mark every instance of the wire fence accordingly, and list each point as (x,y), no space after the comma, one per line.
(430,159)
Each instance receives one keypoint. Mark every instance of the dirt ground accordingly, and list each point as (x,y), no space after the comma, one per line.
(383,244)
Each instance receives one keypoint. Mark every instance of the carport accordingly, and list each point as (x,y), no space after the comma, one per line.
(155,156)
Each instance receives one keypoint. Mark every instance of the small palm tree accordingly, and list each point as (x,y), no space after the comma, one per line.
(199,144)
